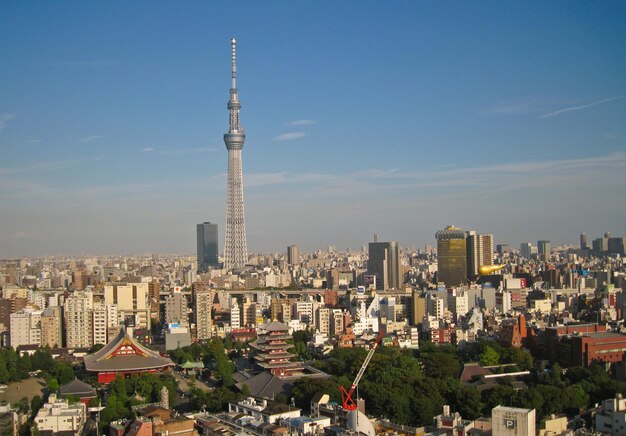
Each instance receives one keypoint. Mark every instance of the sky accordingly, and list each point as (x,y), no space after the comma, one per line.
(361,117)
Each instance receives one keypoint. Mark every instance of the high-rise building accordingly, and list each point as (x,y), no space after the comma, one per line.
(20,328)
(384,263)
(293,255)
(236,245)
(132,301)
(503,248)
(202,314)
(100,324)
(527,249)
(78,312)
(479,252)
(176,309)
(207,247)
(616,245)
(583,241)
(51,327)
(451,256)
(543,248)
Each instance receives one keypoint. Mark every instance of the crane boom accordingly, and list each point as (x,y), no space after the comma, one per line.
(346,396)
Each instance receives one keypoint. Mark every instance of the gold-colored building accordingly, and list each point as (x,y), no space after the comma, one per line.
(452,256)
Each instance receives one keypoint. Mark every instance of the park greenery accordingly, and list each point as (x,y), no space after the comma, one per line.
(410,387)
(405,386)
(123,393)
(15,367)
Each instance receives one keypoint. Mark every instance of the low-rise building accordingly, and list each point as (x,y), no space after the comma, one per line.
(611,418)
(58,415)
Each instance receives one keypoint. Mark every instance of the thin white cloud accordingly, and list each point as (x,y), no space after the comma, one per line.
(147,149)
(580,107)
(289,136)
(4,117)
(186,151)
(88,139)
(304,122)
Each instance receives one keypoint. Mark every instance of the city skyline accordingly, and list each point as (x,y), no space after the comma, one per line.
(506,119)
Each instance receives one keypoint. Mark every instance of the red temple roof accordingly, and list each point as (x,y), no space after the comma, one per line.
(125,354)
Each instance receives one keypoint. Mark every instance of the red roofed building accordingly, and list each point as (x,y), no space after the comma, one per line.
(124,356)
(243,335)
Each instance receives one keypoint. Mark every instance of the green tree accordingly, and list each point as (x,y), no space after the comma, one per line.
(440,364)
(35,404)
(522,358)
(468,402)
(489,357)
(305,388)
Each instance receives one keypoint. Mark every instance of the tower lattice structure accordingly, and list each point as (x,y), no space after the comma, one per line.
(236,245)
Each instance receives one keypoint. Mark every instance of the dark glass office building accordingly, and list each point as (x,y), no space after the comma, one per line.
(384,263)
(207,246)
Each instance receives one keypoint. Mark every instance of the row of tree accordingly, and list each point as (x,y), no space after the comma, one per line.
(411,387)
(15,367)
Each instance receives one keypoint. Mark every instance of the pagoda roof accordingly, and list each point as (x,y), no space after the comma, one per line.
(125,354)
(276,326)
(284,346)
(277,337)
(280,364)
(284,355)
(78,388)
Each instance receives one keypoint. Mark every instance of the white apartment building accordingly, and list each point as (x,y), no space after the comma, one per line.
(79,320)
(435,306)
(100,324)
(57,415)
(611,419)
(304,312)
(235,314)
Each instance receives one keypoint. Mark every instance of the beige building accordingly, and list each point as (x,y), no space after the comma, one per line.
(51,328)
(79,320)
(57,415)
(322,320)
(132,301)
(202,314)
(513,421)
(20,328)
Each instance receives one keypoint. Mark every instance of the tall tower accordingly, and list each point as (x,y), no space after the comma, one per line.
(236,245)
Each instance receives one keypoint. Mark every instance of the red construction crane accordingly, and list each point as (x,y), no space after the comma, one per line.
(346,396)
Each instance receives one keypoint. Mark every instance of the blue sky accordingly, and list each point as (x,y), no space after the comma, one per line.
(394,118)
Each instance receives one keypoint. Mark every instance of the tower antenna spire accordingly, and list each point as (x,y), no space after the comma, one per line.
(233,50)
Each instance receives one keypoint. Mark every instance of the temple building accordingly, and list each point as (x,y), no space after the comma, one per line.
(124,356)
(273,355)
(79,389)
